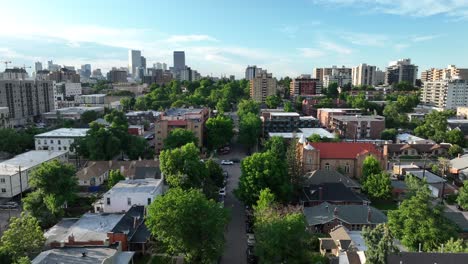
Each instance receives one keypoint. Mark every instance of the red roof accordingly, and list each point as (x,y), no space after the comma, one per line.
(344,150)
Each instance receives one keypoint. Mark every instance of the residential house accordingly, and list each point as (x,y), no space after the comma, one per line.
(59,139)
(125,230)
(459,167)
(128,193)
(344,246)
(346,157)
(460,220)
(324,217)
(438,186)
(429,150)
(84,255)
(427,258)
(333,193)
(331,176)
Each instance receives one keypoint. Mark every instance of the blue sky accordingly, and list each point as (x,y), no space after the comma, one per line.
(223,37)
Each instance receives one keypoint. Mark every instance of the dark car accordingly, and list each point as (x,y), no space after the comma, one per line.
(251,258)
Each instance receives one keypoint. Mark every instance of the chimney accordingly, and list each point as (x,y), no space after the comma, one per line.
(85,170)
(122,169)
(71,239)
(320,193)
(110,163)
(459,155)
(335,212)
(135,221)
(83,254)
(369,214)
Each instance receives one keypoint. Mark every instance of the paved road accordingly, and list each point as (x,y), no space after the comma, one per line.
(236,243)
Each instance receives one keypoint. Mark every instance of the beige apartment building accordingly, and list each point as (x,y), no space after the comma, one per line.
(320,73)
(446,94)
(192,119)
(449,73)
(262,86)
(367,75)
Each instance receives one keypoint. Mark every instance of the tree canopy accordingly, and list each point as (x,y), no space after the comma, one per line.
(379,241)
(462,198)
(114,177)
(179,137)
(219,131)
(248,106)
(16,142)
(249,129)
(187,223)
(378,185)
(435,127)
(277,146)
(370,166)
(273,101)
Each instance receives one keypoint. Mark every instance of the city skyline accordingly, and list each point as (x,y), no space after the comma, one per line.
(285,39)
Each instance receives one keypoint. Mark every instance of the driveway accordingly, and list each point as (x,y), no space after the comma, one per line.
(236,243)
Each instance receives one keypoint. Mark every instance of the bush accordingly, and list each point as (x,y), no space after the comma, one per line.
(451,198)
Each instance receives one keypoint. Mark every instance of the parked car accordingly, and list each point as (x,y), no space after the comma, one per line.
(249,227)
(251,258)
(9,205)
(227,162)
(222,191)
(150,136)
(235,160)
(250,239)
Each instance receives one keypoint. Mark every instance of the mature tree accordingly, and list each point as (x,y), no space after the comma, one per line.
(260,171)
(370,166)
(23,238)
(16,142)
(454,150)
(182,167)
(89,116)
(277,146)
(418,221)
(389,134)
(265,206)
(380,244)
(455,136)
(140,104)
(54,185)
(99,143)
(415,185)
(332,90)
(222,106)
(189,224)
(403,86)
(23,260)
(378,185)
(273,101)
(248,106)
(462,198)
(214,179)
(288,107)
(435,127)
(114,177)
(179,137)
(294,165)
(249,129)
(139,148)
(219,131)
(127,103)
(453,246)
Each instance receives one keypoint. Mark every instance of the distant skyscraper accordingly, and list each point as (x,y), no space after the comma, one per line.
(37,66)
(143,62)
(157,66)
(252,72)
(134,61)
(85,70)
(401,71)
(164,66)
(179,60)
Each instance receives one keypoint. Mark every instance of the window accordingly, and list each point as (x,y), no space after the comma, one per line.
(346,168)
(129,201)
(3,190)
(60,148)
(64,148)
(327,166)
(51,141)
(108,201)
(149,201)
(59,142)
(39,142)
(2,180)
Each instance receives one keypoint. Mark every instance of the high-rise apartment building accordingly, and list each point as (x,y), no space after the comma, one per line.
(37,66)
(262,86)
(97,73)
(401,71)
(52,67)
(446,94)
(179,60)
(117,76)
(85,71)
(304,85)
(64,75)
(364,75)
(379,77)
(26,99)
(252,71)
(143,62)
(15,74)
(450,73)
(320,73)
(134,61)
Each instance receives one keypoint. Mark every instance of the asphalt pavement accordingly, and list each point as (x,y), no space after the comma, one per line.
(236,242)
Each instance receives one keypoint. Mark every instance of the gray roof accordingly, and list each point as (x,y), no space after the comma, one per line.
(459,163)
(327,243)
(351,214)
(459,219)
(399,184)
(28,160)
(182,111)
(75,256)
(64,132)
(346,118)
(427,258)
(330,176)
(332,192)
(430,177)
(147,172)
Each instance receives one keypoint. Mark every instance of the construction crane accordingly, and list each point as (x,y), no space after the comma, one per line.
(6,63)
(24,68)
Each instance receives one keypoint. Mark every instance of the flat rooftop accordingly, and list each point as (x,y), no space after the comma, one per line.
(307,132)
(90,227)
(28,160)
(359,118)
(457,121)
(338,110)
(75,256)
(138,113)
(135,186)
(93,95)
(430,177)
(78,110)
(284,114)
(64,132)
(183,111)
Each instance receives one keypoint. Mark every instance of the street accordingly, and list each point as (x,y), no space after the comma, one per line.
(236,243)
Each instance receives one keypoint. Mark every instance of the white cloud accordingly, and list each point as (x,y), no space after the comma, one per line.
(422,8)
(331,46)
(190,38)
(399,47)
(424,38)
(365,39)
(311,53)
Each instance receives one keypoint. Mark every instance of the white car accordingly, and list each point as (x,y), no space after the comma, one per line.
(222,191)
(250,239)
(227,162)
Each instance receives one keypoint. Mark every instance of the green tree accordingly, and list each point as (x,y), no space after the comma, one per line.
(370,166)
(455,136)
(418,221)
(55,185)
(454,150)
(89,116)
(140,104)
(214,179)
(178,137)
(99,143)
(248,106)
(249,129)
(288,107)
(261,171)
(453,246)
(273,101)
(378,185)
(435,126)
(277,146)
(187,223)
(389,134)
(380,244)
(462,198)
(182,167)
(23,238)
(295,169)
(139,148)
(332,90)
(265,206)
(114,177)
(23,260)
(219,131)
